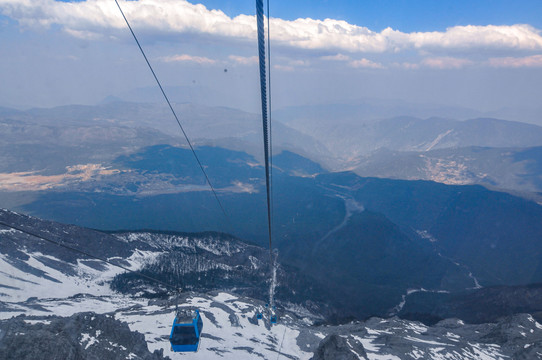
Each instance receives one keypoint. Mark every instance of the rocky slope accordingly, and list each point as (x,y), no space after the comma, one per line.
(231,331)
(65,297)
(81,336)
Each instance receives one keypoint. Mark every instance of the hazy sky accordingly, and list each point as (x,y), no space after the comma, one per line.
(486,55)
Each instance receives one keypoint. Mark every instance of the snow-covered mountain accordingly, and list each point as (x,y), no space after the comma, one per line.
(57,301)
(231,331)
(47,283)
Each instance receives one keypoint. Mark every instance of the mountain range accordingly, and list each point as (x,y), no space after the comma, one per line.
(496,153)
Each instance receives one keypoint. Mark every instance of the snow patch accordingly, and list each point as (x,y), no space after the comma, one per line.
(223,297)
(55,283)
(87,340)
(367,344)
(34,322)
(410,338)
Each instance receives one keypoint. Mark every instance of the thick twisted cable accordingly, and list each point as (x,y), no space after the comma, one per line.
(263,93)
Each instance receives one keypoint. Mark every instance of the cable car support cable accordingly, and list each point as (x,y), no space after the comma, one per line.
(270,108)
(174,113)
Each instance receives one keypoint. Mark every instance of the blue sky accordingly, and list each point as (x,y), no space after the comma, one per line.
(484,55)
(404,15)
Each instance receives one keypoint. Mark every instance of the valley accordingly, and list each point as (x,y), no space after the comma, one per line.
(379,238)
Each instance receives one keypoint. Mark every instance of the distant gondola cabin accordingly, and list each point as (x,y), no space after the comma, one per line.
(186,331)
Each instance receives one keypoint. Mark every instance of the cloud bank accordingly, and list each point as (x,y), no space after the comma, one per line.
(188,58)
(446,63)
(516,62)
(93,19)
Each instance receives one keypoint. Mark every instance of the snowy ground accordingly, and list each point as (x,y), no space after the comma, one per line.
(227,331)
(231,330)
(44,276)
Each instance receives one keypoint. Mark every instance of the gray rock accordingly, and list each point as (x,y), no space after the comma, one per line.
(83,336)
(335,347)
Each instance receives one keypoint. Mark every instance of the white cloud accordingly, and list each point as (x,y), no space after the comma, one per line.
(516,62)
(406,65)
(505,37)
(298,62)
(290,64)
(83,34)
(96,17)
(365,63)
(189,58)
(166,16)
(337,57)
(283,67)
(328,34)
(446,63)
(243,60)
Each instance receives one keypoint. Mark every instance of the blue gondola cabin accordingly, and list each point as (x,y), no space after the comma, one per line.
(186,331)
